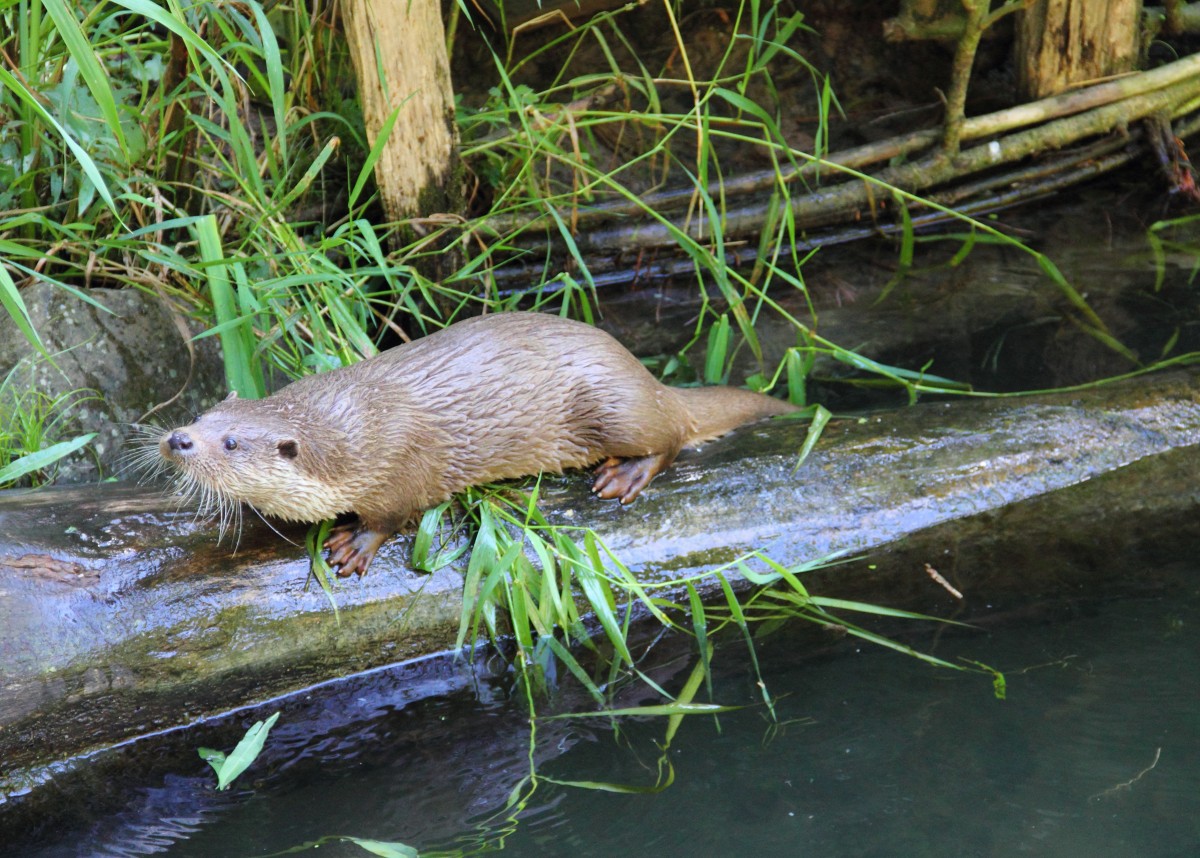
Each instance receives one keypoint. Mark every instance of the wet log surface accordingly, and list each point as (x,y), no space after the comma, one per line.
(123,615)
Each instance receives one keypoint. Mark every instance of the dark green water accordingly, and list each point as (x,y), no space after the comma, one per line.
(1096,752)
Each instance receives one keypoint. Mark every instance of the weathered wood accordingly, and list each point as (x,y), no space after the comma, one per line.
(399,53)
(1064,42)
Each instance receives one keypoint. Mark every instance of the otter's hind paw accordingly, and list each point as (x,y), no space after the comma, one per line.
(625,478)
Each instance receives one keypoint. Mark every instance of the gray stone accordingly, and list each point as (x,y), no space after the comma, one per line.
(114,367)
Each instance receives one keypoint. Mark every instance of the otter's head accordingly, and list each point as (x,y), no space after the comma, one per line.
(251,451)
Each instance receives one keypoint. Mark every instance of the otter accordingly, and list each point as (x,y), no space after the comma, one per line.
(489,398)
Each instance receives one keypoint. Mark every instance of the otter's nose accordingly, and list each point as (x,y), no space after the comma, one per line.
(180,442)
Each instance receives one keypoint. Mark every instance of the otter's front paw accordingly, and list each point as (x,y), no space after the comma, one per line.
(352,547)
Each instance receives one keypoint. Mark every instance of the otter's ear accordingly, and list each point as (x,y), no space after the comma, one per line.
(232,395)
(288,448)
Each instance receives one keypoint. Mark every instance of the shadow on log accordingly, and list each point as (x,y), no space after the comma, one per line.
(123,617)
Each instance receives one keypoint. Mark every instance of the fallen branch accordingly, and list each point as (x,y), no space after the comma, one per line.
(991,193)
(847,193)
(902,146)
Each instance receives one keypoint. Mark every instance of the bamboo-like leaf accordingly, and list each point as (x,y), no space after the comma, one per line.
(599,597)
(14,305)
(314,542)
(700,630)
(778,43)
(904,261)
(622,789)
(517,597)
(880,610)
(385,131)
(1052,271)
(173,20)
(41,459)
(657,710)
(700,673)
(798,368)
(963,252)
(238,353)
(576,669)
(483,556)
(388,849)
(718,348)
(820,418)
(423,541)
(314,170)
(246,752)
(273,61)
(630,581)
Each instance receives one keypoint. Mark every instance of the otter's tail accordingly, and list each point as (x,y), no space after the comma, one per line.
(718,410)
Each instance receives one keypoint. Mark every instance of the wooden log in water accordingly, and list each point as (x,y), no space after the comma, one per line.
(122,615)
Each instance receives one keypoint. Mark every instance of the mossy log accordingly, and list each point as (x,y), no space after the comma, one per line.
(123,616)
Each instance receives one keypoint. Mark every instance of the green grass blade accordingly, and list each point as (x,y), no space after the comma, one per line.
(820,418)
(173,20)
(278,92)
(621,789)
(373,156)
(41,459)
(14,305)
(314,543)
(311,173)
(237,348)
(599,595)
(384,849)
(700,630)
(663,710)
(718,349)
(700,673)
(90,70)
(483,555)
(576,669)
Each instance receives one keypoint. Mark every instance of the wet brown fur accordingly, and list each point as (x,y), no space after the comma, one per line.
(489,398)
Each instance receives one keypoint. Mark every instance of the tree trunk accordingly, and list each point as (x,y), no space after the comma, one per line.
(399,53)
(1063,42)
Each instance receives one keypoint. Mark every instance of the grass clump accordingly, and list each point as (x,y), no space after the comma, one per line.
(547,592)
(31,426)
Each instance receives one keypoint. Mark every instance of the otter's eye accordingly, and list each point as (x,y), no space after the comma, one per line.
(288,449)
(231,443)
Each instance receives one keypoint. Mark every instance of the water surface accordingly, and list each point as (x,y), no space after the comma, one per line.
(1095,752)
